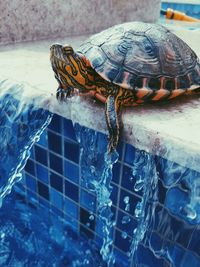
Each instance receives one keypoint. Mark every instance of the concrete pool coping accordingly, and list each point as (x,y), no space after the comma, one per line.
(170,129)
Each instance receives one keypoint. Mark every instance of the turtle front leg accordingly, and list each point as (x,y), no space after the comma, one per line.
(113,121)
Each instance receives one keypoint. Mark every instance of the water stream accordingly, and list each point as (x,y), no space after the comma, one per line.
(144,169)
(21,124)
(96,174)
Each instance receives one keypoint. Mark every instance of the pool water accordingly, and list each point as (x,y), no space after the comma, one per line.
(29,236)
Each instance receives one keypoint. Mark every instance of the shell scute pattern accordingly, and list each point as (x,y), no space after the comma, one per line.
(141,55)
(127,65)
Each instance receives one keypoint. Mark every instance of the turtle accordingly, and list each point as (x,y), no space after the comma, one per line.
(126,65)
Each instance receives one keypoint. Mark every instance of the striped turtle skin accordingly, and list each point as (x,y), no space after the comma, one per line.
(127,65)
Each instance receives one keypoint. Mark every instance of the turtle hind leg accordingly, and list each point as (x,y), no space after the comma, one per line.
(113,121)
(197,91)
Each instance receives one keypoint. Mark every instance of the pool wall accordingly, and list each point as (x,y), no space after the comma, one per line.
(51,18)
(52,180)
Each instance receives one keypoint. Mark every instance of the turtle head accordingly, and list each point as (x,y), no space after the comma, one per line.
(69,67)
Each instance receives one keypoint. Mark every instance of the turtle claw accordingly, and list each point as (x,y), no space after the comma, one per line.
(63,94)
(112,144)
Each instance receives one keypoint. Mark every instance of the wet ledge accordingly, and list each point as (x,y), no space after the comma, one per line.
(171,129)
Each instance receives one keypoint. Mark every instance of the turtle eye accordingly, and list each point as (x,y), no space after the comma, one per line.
(67,49)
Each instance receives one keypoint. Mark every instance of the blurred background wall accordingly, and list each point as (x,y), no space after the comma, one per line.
(26,20)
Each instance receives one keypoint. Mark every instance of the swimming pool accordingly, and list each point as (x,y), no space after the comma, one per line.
(53,179)
(75,206)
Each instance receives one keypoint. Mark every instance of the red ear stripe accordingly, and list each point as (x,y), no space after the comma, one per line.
(86,61)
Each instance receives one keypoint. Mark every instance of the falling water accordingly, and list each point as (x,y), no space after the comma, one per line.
(21,124)
(96,173)
(144,169)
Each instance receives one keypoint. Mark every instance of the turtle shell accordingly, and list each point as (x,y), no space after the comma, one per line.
(137,55)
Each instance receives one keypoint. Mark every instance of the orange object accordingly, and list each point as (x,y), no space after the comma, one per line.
(177,15)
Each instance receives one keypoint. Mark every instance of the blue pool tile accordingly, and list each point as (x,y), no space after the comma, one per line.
(161,192)
(86,232)
(146,257)
(129,154)
(176,199)
(170,172)
(71,171)
(41,155)
(126,223)
(190,260)
(68,129)
(185,232)
(55,142)
(30,167)
(42,173)
(114,194)
(122,241)
(114,213)
(176,254)
(56,199)
(128,202)
(116,173)
(98,241)
(57,211)
(70,208)
(71,151)
(56,181)
(87,219)
(43,190)
(128,179)
(74,224)
(56,163)
(56,124)
(30,183)
(43,141)
(122,260)
(19,196)
(71,190)
(20,188)
(156,241)
(165,224)
(44,203)
(87,200)
(32,197)
(120,148)
(194,241)
(32,153)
